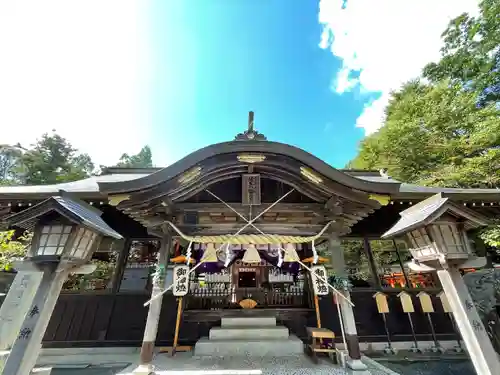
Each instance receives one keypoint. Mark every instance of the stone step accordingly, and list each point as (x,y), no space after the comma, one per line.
(248,321)
(248,333)
(253,348)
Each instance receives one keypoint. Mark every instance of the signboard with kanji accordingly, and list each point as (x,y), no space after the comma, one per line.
(318,274)
(181,281)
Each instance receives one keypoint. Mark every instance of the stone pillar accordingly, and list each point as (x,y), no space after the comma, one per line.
(16,305)
(351,335)
(151,329)
(474,335)
(27,345)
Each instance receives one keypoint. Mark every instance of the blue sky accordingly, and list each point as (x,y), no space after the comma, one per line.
(112,76)
(249,55)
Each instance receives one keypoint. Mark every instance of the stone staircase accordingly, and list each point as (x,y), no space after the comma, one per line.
(254,336)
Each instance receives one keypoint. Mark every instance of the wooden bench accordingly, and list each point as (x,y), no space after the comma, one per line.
(315,344)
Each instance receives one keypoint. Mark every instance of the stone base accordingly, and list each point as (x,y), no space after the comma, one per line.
(45,370)
(41,371)
(356,365)
(3,357)
(144,370)
(257,336)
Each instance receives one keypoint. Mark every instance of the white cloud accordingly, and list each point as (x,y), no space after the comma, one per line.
(386,42)
(79,67)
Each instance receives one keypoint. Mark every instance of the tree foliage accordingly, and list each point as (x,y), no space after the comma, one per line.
(52,159)
(12,249)
(144,159)
(471,53)
(9,157)
(436,135)
(445,130)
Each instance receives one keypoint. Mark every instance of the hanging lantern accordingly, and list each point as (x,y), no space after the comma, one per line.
(251,255)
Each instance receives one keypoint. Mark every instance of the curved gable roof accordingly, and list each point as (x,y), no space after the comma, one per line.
(261,147)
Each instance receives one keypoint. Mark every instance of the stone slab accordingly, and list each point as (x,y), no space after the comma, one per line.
(248,321)
(256,348)
(248,333)
(186,364)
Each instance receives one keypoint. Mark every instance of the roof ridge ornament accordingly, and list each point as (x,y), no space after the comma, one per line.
(250,134)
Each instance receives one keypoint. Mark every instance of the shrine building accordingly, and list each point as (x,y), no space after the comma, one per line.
(245,222)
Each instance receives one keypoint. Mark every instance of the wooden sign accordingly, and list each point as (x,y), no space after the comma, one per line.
(181,280)
(444,301)
(406,302)
(318,275)
(251,189)
(381,301)
(425,302)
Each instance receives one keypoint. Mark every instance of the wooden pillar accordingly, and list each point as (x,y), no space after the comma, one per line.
(351,334)
(371,261)
(121,262)
(151,329)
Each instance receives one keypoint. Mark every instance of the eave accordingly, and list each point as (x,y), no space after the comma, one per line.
(266,148)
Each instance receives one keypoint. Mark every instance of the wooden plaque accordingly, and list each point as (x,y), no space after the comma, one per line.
(406,302)
(381,301)
(251,189)
(425,302)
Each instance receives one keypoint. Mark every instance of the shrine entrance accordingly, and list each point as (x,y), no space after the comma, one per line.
(264,283)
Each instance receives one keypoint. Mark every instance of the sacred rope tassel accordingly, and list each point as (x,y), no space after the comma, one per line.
(315,253)
(188,253)
(291,254)
(228,256)
(251,255)
(280,257)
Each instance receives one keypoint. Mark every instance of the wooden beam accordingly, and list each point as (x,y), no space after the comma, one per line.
(220,207)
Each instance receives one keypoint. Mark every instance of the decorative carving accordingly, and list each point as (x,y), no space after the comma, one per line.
(190,175)
(248,303)
(250,134)
(310,175)
(251,158)
(116,199)
(382,199)
(251,190)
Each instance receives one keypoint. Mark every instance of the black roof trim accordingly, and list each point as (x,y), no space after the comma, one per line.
(74,210)
(268,147)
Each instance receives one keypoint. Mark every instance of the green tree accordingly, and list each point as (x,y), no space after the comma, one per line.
(446,132)
(12,249)
(144,159)
(53,160)
(9,157)
(471,53)
(436,135)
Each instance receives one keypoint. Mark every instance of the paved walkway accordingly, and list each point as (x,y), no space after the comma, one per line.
(186,364)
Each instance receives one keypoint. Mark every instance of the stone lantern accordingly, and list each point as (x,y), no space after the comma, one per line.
(66,231)
(436,230)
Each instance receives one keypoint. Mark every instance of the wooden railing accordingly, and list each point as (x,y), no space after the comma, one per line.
(218,300)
